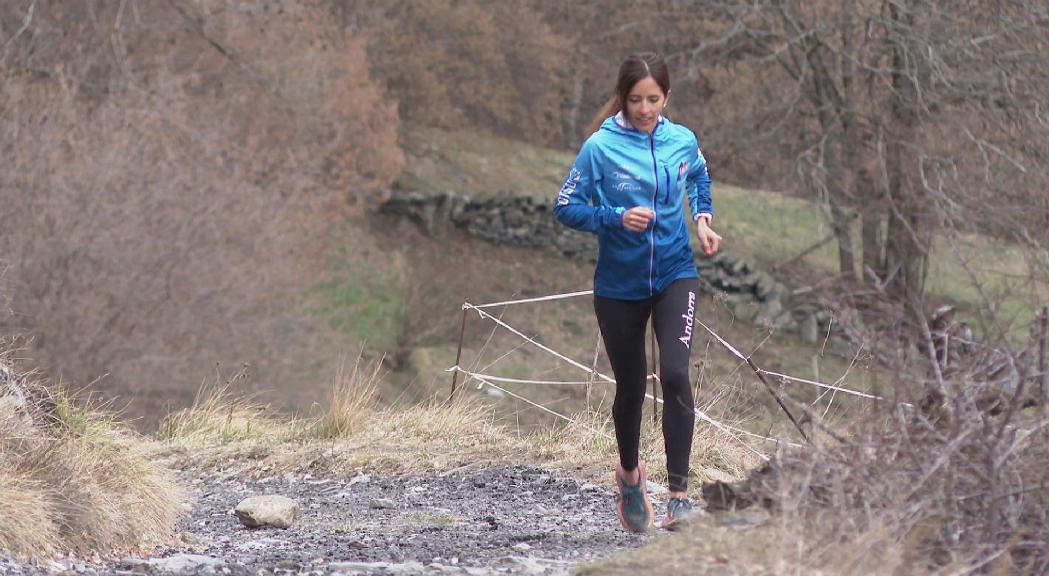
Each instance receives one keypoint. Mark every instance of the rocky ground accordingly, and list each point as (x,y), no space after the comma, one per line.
(516,520)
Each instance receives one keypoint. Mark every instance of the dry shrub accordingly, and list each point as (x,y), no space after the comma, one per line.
(949,475)
(74,480)
(174,175)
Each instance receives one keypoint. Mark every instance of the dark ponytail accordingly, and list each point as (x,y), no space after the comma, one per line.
(634,69)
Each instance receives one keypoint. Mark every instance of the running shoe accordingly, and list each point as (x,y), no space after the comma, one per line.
(632,505)
(679,512)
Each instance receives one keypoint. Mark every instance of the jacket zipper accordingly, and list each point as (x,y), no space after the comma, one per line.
(667,194)
(655,212)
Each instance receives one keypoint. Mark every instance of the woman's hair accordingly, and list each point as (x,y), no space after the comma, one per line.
(634,69)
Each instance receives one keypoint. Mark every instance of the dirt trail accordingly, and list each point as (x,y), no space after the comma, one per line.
(517,520)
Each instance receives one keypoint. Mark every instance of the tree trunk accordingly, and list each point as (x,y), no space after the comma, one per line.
(840,221)
(906,242)
(872,214)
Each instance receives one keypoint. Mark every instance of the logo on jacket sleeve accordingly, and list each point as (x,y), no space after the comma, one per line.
(569,186)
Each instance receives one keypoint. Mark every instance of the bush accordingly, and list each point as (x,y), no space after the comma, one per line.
(172,179)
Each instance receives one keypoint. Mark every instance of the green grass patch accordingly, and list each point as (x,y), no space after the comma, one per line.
(362,297)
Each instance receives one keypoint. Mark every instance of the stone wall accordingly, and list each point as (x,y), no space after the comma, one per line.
(753,295)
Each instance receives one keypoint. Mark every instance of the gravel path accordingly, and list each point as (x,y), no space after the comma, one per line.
(518,520)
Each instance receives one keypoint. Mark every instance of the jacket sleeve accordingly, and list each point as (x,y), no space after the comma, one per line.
(699,200)
(574,207)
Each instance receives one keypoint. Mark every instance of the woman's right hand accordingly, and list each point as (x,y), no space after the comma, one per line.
(637,218)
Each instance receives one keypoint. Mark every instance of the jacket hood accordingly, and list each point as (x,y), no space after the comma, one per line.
(618,124)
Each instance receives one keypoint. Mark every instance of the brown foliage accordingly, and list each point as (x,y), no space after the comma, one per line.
(172,176)
(489,65)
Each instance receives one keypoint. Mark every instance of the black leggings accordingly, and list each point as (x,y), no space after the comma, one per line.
(623,324)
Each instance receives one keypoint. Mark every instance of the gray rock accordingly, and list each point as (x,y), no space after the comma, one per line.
(14,404)
(380,568)
(360,479)
(523,565)
(382,504)
(746,311)
(278,511)
(764,286)
(186,564)
(768,312)
(733,299)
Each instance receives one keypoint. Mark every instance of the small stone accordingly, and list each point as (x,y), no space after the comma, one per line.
(519,565)
(382,504)
(360,479)
(187,564)
(523,547)
(278,511)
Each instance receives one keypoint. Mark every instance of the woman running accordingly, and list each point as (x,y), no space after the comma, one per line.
(627,186)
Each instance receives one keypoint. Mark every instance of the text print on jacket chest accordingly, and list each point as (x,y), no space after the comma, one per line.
(624,180)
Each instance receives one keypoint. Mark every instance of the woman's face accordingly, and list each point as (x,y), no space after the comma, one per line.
(644,104)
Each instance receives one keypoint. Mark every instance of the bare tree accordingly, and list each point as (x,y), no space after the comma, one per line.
(894,109)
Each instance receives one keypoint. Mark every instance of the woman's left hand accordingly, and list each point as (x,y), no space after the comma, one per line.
(709,240)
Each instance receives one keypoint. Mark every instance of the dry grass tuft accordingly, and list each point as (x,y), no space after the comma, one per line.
(73,479)
(353,434)
(28,511)
(352,397)
(589,445)
(219,415)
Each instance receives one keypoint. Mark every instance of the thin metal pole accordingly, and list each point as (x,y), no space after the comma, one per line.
(655,369)
(458,355)
(593,369)
(1041,353)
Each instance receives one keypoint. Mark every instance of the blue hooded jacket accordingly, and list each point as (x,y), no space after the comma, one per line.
(619,168)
